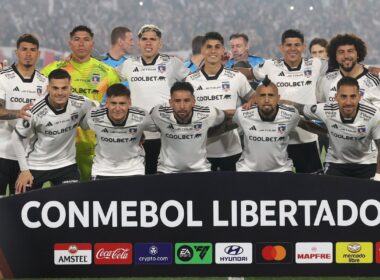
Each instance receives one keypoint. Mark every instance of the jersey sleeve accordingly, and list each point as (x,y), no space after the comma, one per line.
(181,71)
(315,112)
(2,90)
(236,118)
(149,124)
(320,89)
(245,90)
(113,77)
(376,127)
(218,116)
(259,71)
(122,70)
(85,123)
(25,128)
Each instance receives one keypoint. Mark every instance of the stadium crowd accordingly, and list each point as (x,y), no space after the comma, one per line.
(262,21)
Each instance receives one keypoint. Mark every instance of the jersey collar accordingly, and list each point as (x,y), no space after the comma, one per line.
(294,69)
(118,124)
(212,77)
(153,61)
(30,80)
(264,119)
(55,111)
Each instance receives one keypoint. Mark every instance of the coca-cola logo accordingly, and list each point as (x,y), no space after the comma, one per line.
(113,253)
(117,254)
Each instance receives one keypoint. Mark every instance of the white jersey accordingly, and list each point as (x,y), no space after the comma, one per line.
(183,146)
(295,84)
(349,142)
(17,92)
(117,151)
(150,83)
(224,91)
(265,142)
(369,87)
(51,133)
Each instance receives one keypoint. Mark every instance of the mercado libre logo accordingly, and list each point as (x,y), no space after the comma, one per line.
(193,253)
(274,253)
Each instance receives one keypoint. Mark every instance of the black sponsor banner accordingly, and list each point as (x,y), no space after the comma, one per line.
(202,224)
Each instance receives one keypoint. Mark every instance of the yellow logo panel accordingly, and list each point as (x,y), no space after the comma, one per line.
(354,252)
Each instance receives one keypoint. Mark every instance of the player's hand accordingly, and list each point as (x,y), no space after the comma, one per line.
(3,64)
(24,181)
(229,113)
(24,112)
(249,103)
(377,177)
(374,70)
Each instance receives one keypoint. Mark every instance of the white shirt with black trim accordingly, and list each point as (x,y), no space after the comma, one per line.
(51,133)
(150,83)
(369,87)
(17,91)
(350,140)
(183,146)
(225,91)
(295,84)
(265,142)
(118,151)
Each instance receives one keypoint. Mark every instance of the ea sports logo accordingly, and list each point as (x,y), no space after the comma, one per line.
(185,253)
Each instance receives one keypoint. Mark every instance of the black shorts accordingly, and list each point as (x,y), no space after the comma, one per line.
(64,175)
(152,151)
(9,170)
(365,171)
(305,157)
(224,163)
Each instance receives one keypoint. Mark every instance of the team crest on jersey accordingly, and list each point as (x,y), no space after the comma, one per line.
(197,126)
(362,129)
(133,130)
(308,62)
(95,78)
(361,91)
(39,90)
(281,128)
(161,68)
(307,73)
(74,116)
(226,86)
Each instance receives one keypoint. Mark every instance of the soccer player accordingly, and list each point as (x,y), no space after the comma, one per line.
(224,89)
(346,52)
(50,133)
(184,127)
(196,58)
(118,127)
(296,79)
(239,44)
(90,78)
(150,77)
(266,127)
(352,125)
(318,48)
(20,85)
(122,44)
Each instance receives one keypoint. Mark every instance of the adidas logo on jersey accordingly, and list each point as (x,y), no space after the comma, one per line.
(308,83)
(198,135)
(252,127)
(170,126)
(104,130)
(281,74)
(136,69)
(333,89)
(227,96)
(200,88)
(16,89)
(49,124)
(335,126)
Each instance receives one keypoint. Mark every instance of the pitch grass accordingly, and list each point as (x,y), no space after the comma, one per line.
(224,278)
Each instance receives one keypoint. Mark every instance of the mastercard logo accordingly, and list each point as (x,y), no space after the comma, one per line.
(273,253)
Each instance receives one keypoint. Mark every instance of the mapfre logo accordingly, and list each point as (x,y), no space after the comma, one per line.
(314,252)
(113,253)
(72,253)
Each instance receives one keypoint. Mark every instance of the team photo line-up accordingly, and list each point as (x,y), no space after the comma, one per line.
(119,115)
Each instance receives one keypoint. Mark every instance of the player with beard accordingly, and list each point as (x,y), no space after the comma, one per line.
(20,85)
(266,127)
(346,52)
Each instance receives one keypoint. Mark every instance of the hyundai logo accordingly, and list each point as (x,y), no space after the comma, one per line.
(233,250)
